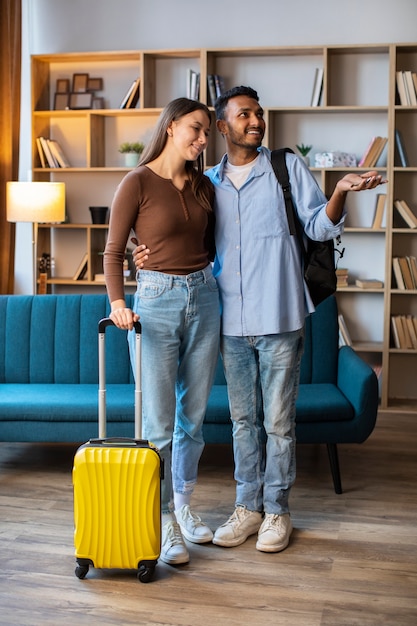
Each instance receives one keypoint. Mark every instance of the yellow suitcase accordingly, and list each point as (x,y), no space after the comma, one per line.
(117,491)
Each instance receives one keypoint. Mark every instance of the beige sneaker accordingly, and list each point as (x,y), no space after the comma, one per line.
(274,534)
(173,550)
(192,527)
(240,525)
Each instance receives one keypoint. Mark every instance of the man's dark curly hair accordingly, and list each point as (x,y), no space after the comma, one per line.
(221,102)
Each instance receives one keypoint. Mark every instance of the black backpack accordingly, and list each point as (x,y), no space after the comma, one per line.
(319,262)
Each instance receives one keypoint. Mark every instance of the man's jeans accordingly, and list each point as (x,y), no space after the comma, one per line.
(262,376)
(180,319)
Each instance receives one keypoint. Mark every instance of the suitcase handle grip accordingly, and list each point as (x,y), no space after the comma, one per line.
(119,441)
(106,321)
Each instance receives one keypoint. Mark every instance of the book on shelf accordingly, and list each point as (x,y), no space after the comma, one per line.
(398,275)
(369,283)
(412,262)
(343,330)
(52,163)
(133,99)
(373,152)
(58,153)
(407,274)
(379,210)
(216,86)
(193,84)
(365,154)
(129,94)
(409,87)
(211,88)
(406,213)
(99,278)
(317,87)
(395,327)
(219,84)
(411,325)
(81,270)
(41,153)
(401,88)
(376,154)
(400,149)
(404,331)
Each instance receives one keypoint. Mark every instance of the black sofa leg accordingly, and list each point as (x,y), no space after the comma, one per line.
(334,466)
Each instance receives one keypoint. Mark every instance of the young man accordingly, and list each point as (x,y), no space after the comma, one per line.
(258,268)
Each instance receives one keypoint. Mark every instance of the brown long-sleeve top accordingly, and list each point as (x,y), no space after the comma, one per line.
(178,231)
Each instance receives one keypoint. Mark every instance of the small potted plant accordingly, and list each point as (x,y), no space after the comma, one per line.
(304,150)
(132,151)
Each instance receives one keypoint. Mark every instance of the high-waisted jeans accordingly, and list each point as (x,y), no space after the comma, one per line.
(180,317)
(262,376)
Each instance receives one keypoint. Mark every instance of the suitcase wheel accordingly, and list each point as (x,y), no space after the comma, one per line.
(145,573)
(81,570)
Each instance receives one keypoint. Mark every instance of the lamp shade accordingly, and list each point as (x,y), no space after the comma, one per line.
(35,202)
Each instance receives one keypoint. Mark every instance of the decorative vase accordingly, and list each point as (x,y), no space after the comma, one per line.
(131,159)
(306,160)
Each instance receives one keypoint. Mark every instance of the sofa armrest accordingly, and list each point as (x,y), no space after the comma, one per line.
(358,382)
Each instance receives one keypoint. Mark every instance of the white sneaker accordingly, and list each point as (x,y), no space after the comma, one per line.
(274,534)
(191,525)
(240,525)
(173,550)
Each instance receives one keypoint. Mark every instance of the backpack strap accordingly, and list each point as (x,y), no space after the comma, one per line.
(281,172)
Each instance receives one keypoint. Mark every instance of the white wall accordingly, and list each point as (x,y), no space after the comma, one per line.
(82,25)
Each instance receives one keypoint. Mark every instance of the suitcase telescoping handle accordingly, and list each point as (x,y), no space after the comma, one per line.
(102,325)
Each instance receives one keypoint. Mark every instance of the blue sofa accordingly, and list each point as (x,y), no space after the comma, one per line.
(49,374)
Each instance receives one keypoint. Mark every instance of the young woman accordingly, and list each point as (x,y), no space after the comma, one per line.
(167,201)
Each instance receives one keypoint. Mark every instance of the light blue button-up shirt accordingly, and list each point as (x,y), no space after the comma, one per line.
(258,263)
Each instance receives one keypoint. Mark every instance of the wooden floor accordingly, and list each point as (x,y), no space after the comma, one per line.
(352,559)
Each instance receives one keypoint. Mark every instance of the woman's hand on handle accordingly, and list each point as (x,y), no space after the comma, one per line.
(123,317)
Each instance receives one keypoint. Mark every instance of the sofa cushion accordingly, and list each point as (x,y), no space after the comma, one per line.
(322,403)
(72,403)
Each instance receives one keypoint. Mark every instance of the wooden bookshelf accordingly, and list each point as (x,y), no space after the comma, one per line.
(351,111)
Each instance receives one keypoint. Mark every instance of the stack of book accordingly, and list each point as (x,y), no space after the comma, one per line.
(342,275)
(406,87)
(215,86)
(405,272)
(373,152)
(51,153)
(406,213)
(404,331)
(131,97)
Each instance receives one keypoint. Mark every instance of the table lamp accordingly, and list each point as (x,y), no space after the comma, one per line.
(35,202)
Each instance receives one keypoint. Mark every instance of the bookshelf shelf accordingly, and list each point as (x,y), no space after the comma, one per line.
(351,110)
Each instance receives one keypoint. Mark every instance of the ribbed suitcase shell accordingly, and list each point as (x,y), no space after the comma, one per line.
(117,505)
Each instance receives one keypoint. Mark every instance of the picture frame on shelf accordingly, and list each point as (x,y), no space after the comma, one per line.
(95,84)
(97,102)
(79,83)
(61,101)
(62,85)
(81,100)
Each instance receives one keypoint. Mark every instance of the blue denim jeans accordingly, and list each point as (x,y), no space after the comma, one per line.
(262,376)
(180,318)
